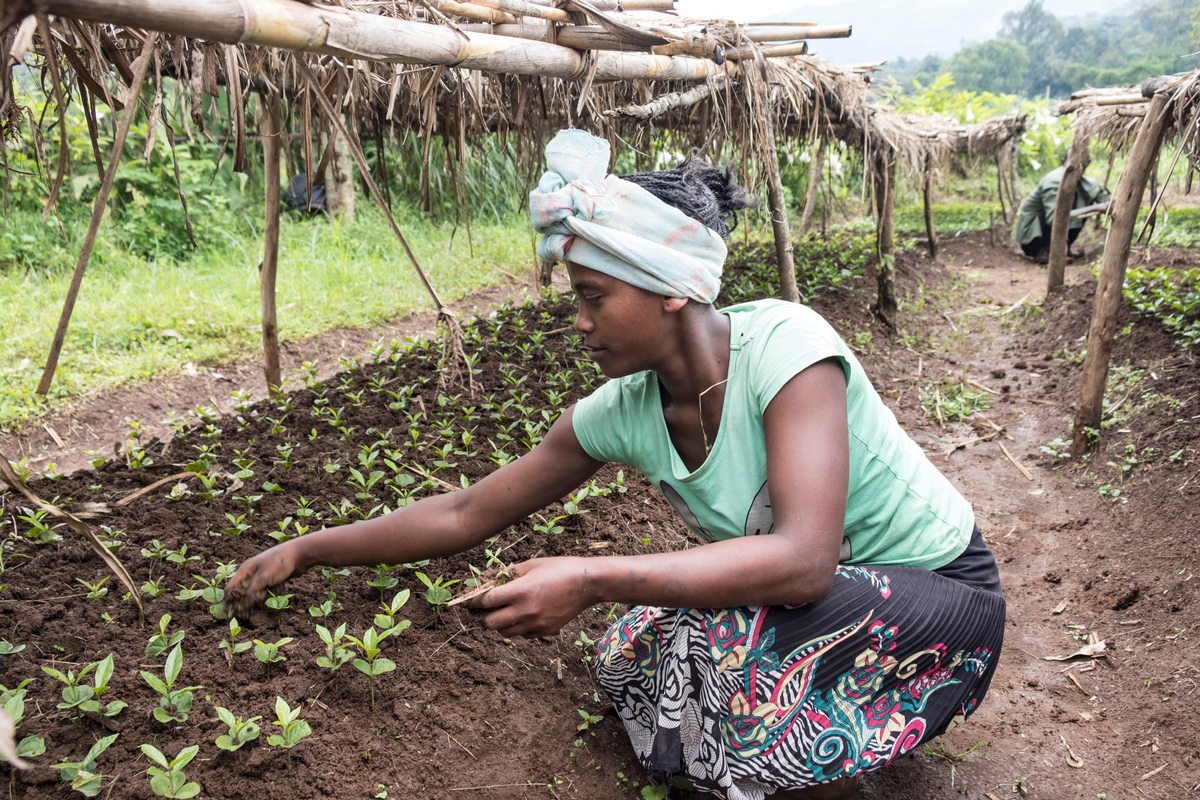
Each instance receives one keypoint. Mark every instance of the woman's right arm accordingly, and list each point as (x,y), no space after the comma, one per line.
(435,526)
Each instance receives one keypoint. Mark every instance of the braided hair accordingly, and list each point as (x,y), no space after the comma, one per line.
(705,193)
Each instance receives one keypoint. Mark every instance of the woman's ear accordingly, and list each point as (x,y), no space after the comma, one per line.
(672,304)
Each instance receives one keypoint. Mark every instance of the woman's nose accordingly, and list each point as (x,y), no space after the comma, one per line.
(583,324)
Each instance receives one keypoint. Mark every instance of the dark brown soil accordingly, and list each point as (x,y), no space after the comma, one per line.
(470,714)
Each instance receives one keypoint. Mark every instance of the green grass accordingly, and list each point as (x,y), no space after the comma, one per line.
(948,218)
(136,319)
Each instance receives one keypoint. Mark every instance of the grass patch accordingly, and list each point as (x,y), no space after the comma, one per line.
(1171,296)
(949,219)
(952,401)
(137,318)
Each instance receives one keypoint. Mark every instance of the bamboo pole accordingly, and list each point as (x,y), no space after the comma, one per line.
(1122,99)
(131,107)
(776,32)
(473,11)
(667,102)
(1103,326)
(1078,158)
(927,194)
(330,30)
(812,185)
(885,236)
(270,117)
(771,51)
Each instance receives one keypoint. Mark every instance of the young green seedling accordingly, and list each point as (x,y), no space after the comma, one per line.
(173,703)
(83,775)
(437,590)
(241,731)
(162,641)
(278,602)
(269,652)
(211,591)
(292,728)
(386,620)
(232,646)
(167,779)
(337,649)
(13,703)
(95,590)
(372,664)
(83,698)
(382,580)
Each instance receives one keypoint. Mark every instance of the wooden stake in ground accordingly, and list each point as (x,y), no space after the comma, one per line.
(1103,328)
(812,184)
(270,120)
(131,107)
(779,218)
(927,193)
(1078,158)
(885,236)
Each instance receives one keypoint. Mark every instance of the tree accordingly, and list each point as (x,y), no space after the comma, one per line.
(1043,37)
(997,65)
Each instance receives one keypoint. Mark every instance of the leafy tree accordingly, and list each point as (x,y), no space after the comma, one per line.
(1043,36)
(997,65)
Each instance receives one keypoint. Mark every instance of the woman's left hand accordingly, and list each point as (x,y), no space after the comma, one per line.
(546,594)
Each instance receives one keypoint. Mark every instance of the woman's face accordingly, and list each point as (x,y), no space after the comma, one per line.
(623,327)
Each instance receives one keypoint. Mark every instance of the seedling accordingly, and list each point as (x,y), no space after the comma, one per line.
(293,729)
(83,698)
(237,524)
(7,648)
(387,621)
(337,649)
(161,641)
(95,590)
(40,530)
(437,590)
(13,703)
(232,646)
(269,652)
(212,592)
(83,775)
(372,664)
(167,779)
(325,608)
(381,579)
(278,602)
(174,704)
(241,731)
(550,526)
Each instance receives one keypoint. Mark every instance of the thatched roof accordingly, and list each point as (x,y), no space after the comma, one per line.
(1113,115)
(461,68)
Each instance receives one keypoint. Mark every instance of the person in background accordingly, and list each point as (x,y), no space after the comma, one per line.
(841,606)
(1037,211)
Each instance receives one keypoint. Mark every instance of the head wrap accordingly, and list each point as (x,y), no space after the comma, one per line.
(617,227)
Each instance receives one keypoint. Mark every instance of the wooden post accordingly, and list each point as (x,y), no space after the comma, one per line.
(1103,327)
(1000,188)
(85,254)
(779,219)
(1014,169)
(927,191)
(813,183)
(885,237)
(270,118)
(1078,159)
(339,186)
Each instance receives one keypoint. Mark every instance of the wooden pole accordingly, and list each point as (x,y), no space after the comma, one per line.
(1000,191)
(1103,327)
(788,290)
(885,237)
(927,194)
(812,185)
(335,31)
(270,118)
(1078,158)
(1014,172)
(131,108)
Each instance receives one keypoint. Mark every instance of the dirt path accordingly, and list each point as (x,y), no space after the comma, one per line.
(1049,729)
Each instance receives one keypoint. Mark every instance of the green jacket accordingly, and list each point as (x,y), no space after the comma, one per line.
(1037,209)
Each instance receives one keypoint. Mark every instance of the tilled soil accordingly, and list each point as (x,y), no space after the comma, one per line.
(467,713)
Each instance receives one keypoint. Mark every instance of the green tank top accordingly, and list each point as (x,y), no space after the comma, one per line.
(901,510)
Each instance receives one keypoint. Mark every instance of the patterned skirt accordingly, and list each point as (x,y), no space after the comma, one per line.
(748,701)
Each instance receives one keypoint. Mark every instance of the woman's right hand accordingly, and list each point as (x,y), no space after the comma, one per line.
(250,583)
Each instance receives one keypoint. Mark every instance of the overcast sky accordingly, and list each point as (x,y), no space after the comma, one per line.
(744,12)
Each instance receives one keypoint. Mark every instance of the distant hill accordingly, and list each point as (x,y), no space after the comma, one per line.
(886,29)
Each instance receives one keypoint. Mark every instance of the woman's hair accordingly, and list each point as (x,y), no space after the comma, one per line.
(705,193)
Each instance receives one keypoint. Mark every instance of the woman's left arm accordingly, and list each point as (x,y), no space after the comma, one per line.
(808,465)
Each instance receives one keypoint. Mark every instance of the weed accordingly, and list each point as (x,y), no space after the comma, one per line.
(952,401)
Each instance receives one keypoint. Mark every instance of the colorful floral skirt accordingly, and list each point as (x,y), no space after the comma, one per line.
(747,701)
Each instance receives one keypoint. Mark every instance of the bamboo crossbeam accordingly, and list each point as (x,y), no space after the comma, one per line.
(523,9)
(771,51)
(792,32)
(661,105)
(329,30)
(1121,100)
(473,11)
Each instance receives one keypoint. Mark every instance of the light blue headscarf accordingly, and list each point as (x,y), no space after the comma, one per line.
(617,227)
